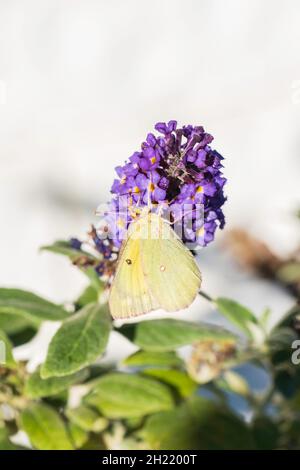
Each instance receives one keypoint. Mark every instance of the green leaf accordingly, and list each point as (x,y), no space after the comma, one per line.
(14,324)
(78,435)
(6,354)
(119,395)
(87,419)
(62,247)
(45,428)
(281,338)
(5,443)
(279,342)
(58,401)
(178,379)
(168,334)
(198,424)
(80,341)
(36,387)
(95,442)
(29,306)
(149,358)
(265,317)
(95,281)
(266,433)
(89,295)
(237,314)
(19,329)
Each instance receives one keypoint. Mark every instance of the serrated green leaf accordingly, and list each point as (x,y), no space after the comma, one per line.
(80,341)
(237,314)
(168,334)
(87,419)
(36,387)
(119,395)
(45,428)
(30,306)
(178,379)
(6,354)
(150,358)
(198,424)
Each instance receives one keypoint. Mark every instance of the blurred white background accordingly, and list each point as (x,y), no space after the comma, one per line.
(83,81)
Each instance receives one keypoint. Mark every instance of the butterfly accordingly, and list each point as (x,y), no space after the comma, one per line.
(154,271)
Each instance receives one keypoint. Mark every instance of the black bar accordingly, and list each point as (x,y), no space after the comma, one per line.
(138,458)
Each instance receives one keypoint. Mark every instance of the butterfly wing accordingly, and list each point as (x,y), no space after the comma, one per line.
(171,272)
(129,295)
(155,270)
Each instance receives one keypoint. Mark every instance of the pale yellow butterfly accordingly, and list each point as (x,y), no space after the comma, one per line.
(154,270)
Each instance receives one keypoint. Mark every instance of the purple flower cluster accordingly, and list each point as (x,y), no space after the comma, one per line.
(174,169)
(177,167)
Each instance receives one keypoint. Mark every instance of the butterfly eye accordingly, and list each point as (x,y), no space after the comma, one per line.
(128,261)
